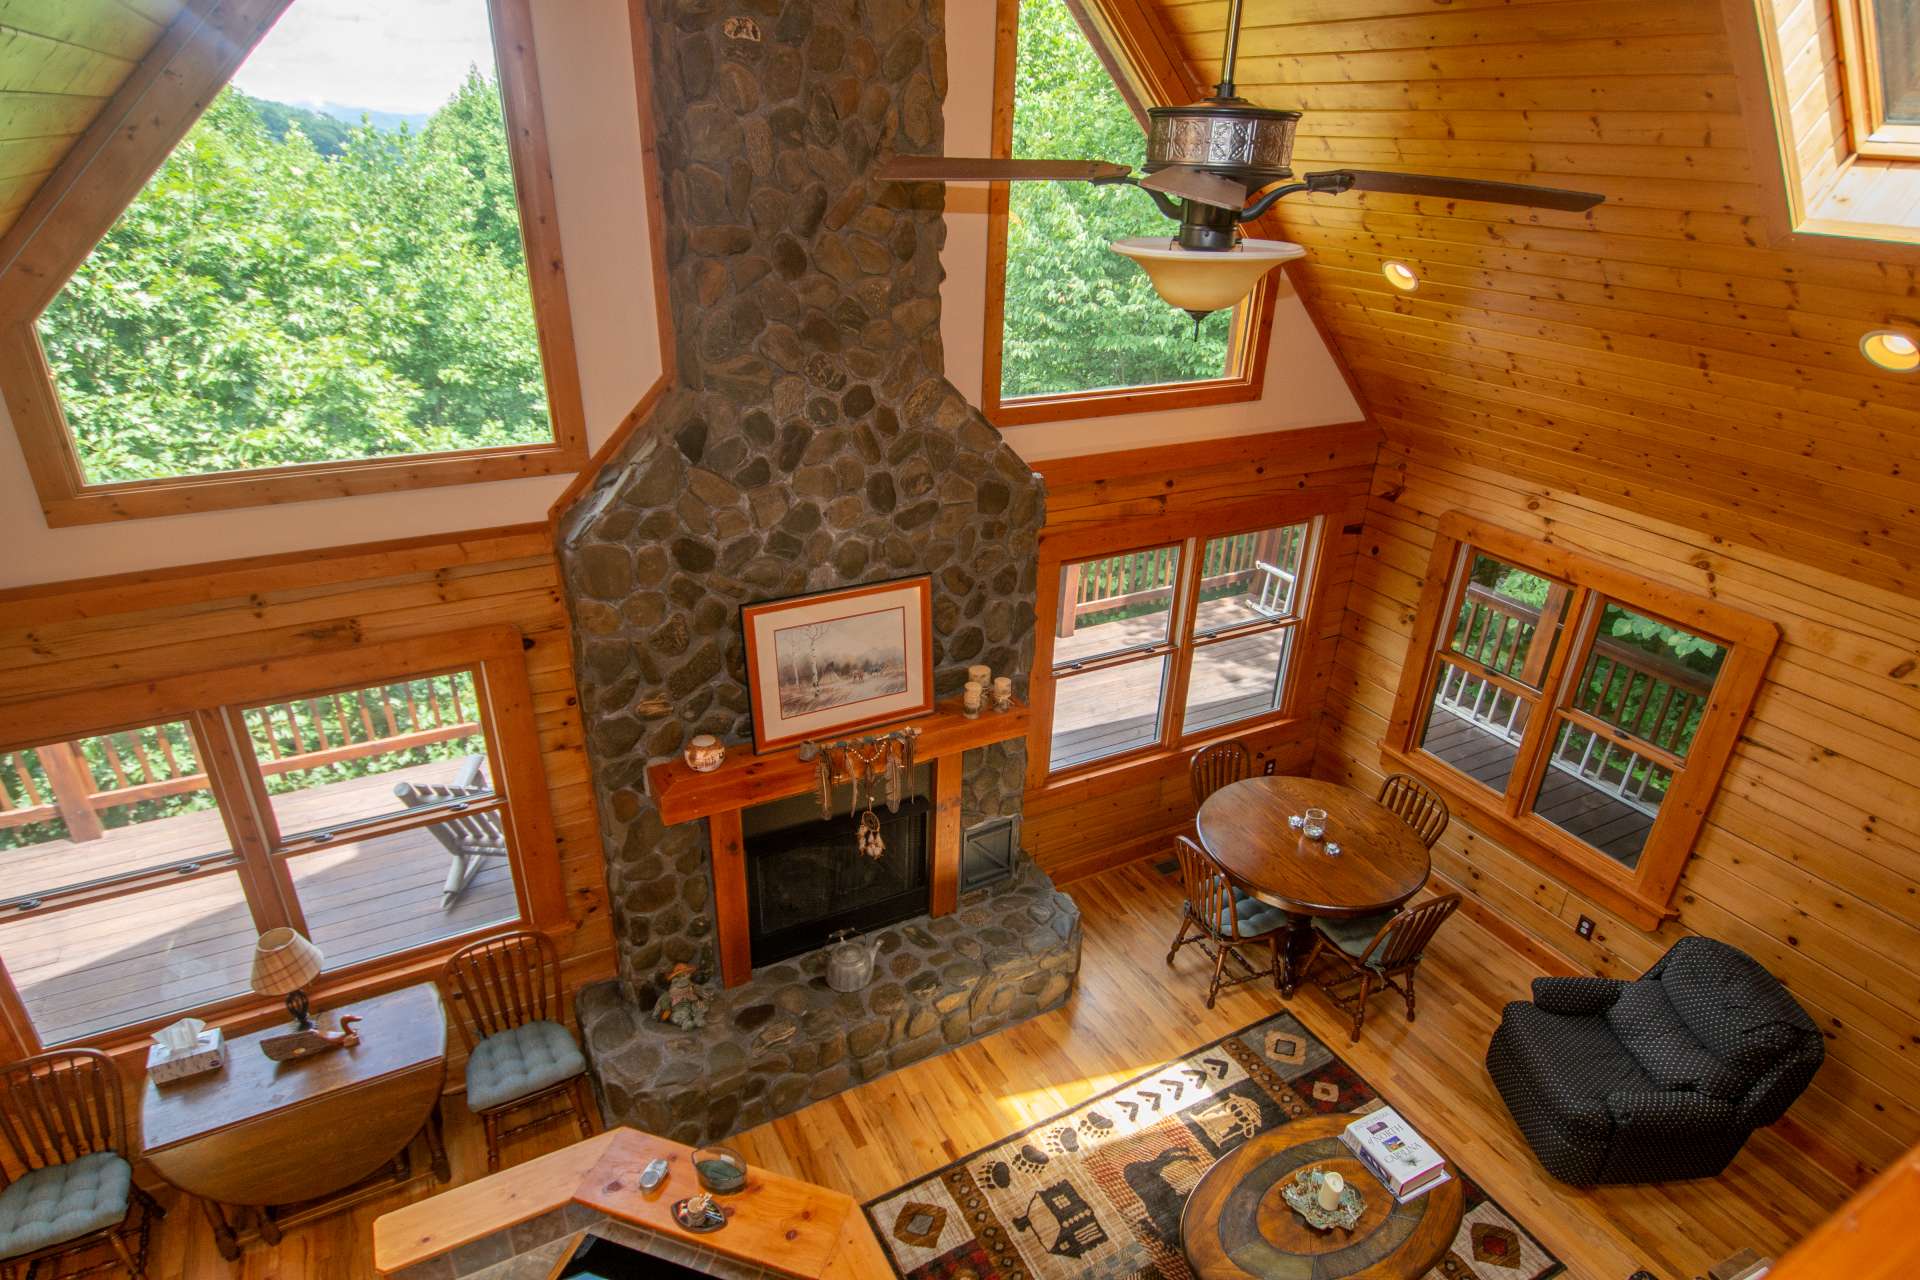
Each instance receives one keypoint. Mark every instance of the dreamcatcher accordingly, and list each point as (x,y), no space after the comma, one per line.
(870,764)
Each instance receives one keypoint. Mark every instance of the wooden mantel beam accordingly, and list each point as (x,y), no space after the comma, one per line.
(684,796)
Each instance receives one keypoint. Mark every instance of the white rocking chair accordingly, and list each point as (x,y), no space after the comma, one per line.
(468,838)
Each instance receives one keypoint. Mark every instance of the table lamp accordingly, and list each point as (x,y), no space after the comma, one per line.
(284,962)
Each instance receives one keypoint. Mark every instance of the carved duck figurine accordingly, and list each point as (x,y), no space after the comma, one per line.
(304,1044)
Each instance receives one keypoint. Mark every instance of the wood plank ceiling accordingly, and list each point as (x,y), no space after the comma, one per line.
(1656,353)
(60,63)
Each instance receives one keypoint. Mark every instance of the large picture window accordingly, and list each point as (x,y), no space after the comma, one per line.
(380,818)
(329,271)
(1163,645)
(1074,329)
(1580,709)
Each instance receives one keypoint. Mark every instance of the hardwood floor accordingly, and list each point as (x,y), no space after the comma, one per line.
(1132,1012)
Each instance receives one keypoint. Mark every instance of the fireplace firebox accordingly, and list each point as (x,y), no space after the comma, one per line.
(807,879)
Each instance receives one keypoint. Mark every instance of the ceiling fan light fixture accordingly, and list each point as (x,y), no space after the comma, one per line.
(1891,350)
(1199,281)
(1400,276)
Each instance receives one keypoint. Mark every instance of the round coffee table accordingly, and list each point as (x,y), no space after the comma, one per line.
(1236,1225)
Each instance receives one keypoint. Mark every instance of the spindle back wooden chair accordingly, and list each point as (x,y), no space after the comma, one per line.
(1225,919)
(1417,804)
(58,1109)
(1214,767)
(1392,952)
(508,1006)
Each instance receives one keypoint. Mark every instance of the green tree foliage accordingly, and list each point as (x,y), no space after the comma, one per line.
(1078,315)
(279,296)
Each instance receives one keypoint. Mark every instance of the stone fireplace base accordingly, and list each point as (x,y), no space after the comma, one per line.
(785,1039)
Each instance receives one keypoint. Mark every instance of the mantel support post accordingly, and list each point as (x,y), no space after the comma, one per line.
(730,925)
(943,895)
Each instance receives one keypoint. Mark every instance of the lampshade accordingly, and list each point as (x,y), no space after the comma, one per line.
(1198,280)
(283,961)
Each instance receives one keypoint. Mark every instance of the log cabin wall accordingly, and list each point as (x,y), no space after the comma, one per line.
(137,627)
(1092,821)
(1658,384)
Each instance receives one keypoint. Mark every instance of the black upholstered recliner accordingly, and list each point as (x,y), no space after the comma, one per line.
(1657,1079)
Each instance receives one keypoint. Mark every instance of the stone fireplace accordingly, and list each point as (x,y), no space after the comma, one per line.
(811,442)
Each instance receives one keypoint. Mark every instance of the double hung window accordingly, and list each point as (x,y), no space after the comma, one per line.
(381,817)
(1162,644)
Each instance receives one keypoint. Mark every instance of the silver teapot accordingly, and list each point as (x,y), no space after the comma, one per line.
(850,963)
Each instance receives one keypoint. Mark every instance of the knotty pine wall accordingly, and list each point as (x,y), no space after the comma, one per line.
(1810,859)
(1658,384)
(1092,821)
(141,626)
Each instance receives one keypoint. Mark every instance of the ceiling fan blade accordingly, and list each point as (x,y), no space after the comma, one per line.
(1198,185)
(1421,184)
(981,169)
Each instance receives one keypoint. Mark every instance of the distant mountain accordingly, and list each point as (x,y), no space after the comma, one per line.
(384,121)
(327,134)
(328,124)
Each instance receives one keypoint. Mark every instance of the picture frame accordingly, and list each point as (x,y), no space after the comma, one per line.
(824,664)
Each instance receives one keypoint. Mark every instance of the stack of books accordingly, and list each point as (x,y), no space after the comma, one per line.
(1396,1154)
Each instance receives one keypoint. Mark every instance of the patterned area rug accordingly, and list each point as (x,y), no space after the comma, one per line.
(1095,1193)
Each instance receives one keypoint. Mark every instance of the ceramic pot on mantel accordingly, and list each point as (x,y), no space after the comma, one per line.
(704,753)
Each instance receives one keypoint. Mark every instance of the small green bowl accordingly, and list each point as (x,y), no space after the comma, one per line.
(721,1170)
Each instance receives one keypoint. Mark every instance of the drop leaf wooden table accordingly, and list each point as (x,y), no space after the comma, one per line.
(1236,1225)
(259,1134)
(1381,862)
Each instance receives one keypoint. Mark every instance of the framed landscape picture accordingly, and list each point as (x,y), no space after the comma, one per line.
(825,664)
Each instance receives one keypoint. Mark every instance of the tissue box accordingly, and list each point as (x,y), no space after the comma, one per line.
(209,1053)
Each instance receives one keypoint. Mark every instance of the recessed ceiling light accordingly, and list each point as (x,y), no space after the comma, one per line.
(1891,350)
(1400,276)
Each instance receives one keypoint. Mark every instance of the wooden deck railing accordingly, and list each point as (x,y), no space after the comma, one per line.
(1645,697)
(65,780)
(1095,586)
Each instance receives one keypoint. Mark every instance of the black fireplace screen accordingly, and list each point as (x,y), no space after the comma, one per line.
(806,882)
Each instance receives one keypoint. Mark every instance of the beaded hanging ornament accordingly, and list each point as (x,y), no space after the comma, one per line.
(867,763)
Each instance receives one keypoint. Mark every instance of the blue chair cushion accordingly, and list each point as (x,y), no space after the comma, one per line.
(1256,917)
(1353,934)
(63,1202)
(513,1064)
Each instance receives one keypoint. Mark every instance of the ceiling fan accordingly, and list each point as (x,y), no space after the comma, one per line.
(1205,163)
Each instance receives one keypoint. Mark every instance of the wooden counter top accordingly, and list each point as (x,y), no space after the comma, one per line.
(796,1227)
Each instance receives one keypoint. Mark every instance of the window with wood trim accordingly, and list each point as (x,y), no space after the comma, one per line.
(1880,43)
(325,285)
(1582,711)
(1157,647)
(382,811)
(1074,329)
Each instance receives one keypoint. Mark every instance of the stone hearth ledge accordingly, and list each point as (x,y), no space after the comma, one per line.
(785,1039)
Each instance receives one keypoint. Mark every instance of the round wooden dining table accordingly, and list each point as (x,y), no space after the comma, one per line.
(1380,865)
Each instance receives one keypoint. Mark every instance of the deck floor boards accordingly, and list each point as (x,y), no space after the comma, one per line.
(88,969)
(1610,825)
(1116,709)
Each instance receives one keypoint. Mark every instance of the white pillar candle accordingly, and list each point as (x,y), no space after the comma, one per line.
(1330,1188)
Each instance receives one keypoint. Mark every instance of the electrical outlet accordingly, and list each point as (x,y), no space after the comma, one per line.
(1584,928)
